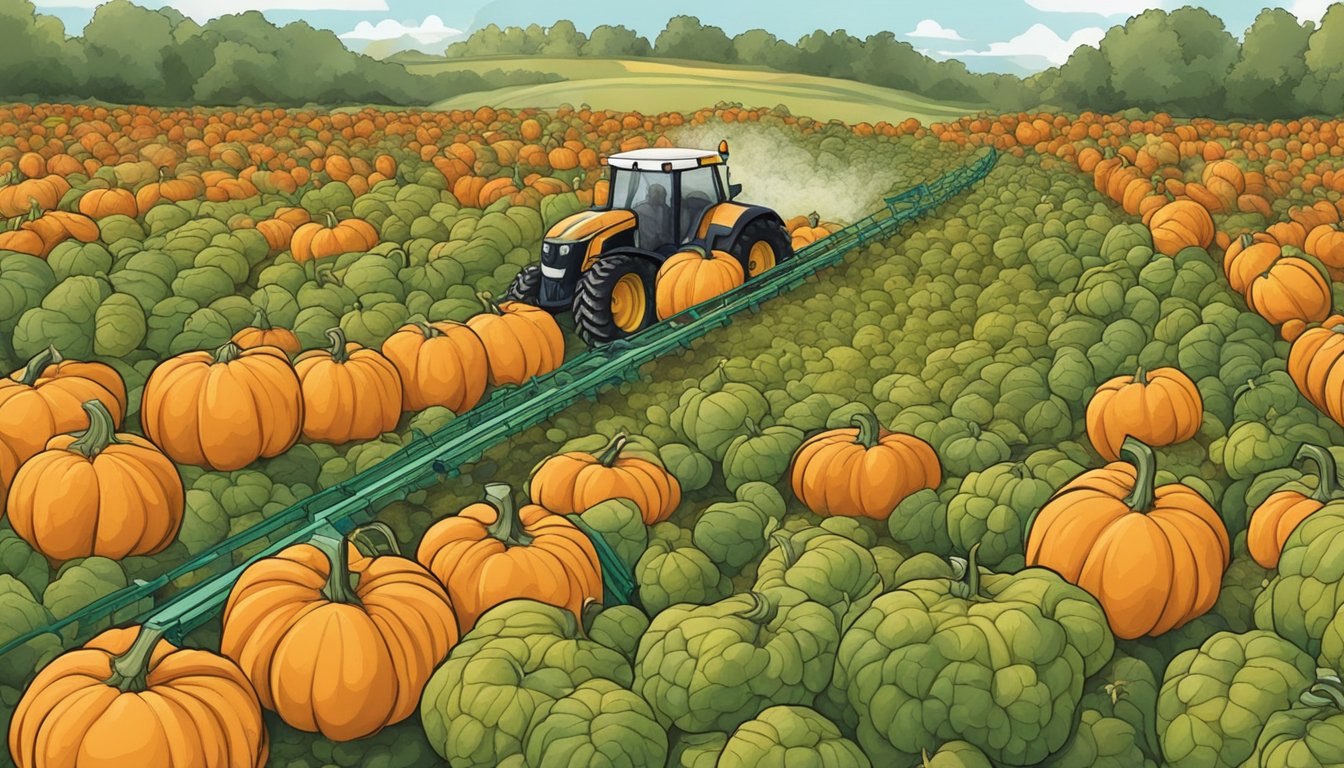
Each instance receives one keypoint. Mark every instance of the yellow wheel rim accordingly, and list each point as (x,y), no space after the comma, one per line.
(628,303)
(761,258)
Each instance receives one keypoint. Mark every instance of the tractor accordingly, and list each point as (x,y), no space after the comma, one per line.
(603,263)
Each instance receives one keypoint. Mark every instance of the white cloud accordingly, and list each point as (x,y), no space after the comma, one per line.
(1039,42)
(431,30)
(1097,7)
(931,28)
(204,10)
(1310,10)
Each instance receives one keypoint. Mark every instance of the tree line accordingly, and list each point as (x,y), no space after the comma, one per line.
(1184,62)
(132,55)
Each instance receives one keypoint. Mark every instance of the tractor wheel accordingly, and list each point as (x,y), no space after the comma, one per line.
(614,299)
(526,286)
(762,245)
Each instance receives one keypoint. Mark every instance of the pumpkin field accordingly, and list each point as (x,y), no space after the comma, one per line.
(1047,478)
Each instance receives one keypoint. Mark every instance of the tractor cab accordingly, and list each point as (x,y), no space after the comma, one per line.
(669,190)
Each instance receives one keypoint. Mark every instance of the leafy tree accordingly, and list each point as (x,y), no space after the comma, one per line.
(757,46)
(126,46)
(562,39)
(1177,62)
(1084,79)
(35,57)
(616,42)
(1271,63)
(685,37)
(832,54)
(1322,90)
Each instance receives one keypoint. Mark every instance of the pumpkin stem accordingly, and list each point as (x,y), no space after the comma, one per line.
(508,526)
(488,302)
(613,450)
(785,544)
(1141,376)
(384,531)
(34,210)
(36,366)
(260,321)
(968,587)
(338,351)
(868,429)
(762,610)
(1326,487)
(1327,691)
(427,330)
(813,219)
(338,588)
(331,219)
(101,433)
(228,352)
(1145,468)
(753,428)
(1020,471)
(130,669)
(588,614)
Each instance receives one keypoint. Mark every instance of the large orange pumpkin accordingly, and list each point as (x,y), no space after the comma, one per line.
(571,482)
(97,492)
(319,240)
(1276,517)
(168,189)
(350,392)
(1159,407)
(335,644)
(441,363)
(1291,288)
(1313,363)
(1248,256)
(1326,242)
(18,198)
(492,551)
(862,471)
(101,203)
(521,341)
(1152,556)
(262,334)
(46,398)
(1181,224)
(130,698)
(694,276)
(223,410)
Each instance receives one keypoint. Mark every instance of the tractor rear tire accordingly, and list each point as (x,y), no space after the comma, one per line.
(526,286)
(615,299)
(765,241)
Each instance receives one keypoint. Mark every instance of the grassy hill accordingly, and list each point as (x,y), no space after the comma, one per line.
(658,85)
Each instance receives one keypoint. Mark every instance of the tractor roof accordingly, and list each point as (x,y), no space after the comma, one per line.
(660,158)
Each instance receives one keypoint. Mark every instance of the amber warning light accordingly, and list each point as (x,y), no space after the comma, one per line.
(723,149)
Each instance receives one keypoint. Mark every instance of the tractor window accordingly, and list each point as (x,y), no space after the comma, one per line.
(649,195)
(698,193)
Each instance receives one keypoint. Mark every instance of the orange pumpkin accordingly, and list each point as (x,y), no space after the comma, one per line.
(1312,359)
(1284,509)
(1248,256)
(168,189)
(693,276)
(350,392)
(335,642)
(97,492)
(441,363)
(1181,224)
(128,697)
(1153,557)
(101,203)
(45,193)
(46,398)
(223,409)
(521,341)
(1326,242)
(262,334)
(1291,288)
(571,482)
(318,241)
(861,471)
(492,551)
(1159,407)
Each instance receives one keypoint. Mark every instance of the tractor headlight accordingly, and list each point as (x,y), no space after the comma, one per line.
(564,250)
(546,248)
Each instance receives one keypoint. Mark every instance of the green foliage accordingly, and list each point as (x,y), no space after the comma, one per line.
(788,735)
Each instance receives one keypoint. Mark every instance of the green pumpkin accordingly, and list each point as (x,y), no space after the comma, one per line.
(709,415)
(760,454)
(119,326)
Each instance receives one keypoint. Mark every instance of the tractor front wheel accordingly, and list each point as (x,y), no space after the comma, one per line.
(615,299)
(526,286)
(762,245)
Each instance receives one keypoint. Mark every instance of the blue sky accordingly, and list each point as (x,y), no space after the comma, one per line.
(989,35)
